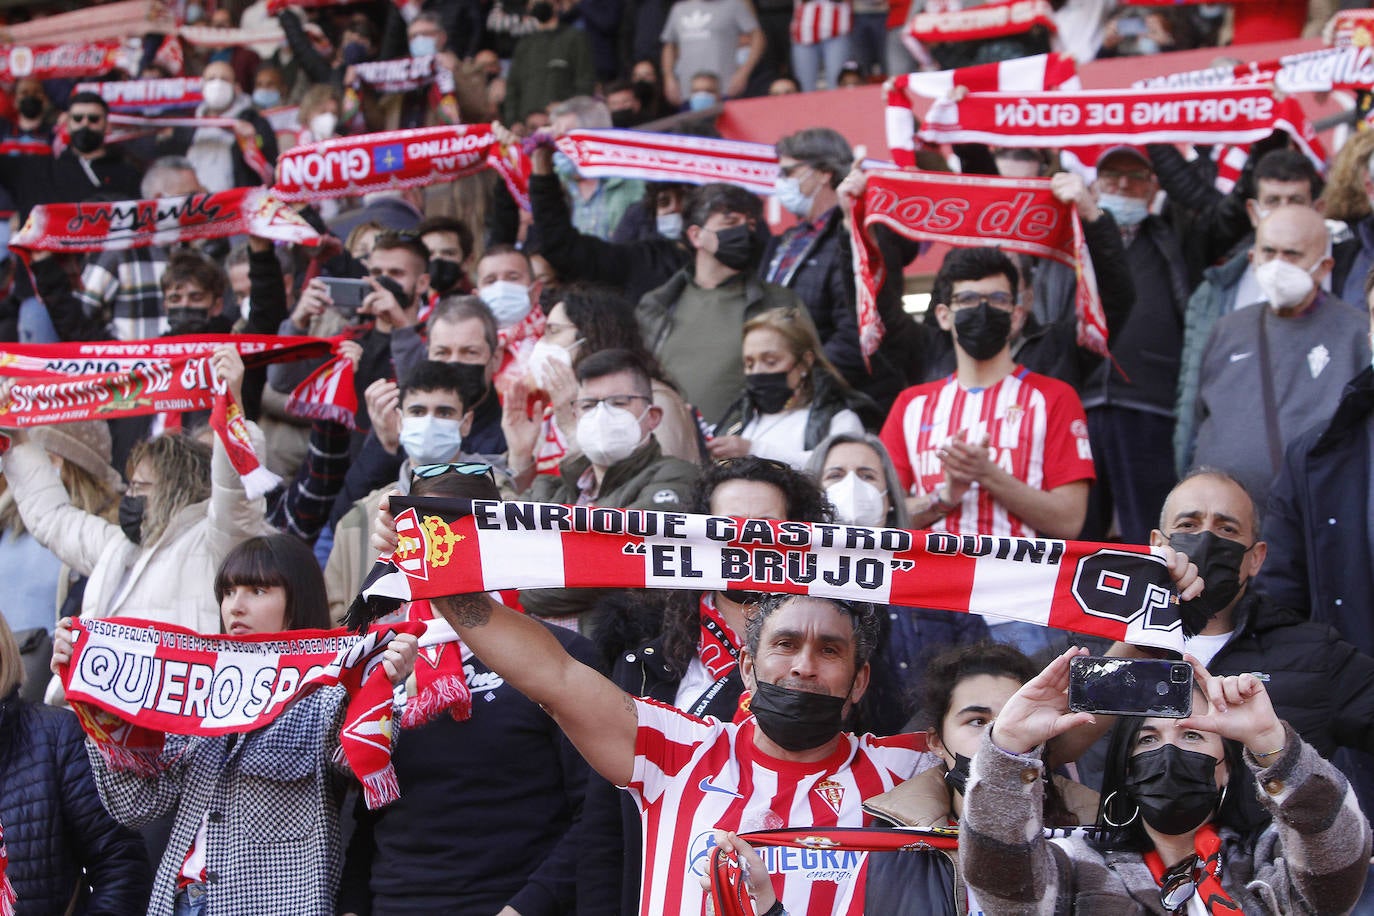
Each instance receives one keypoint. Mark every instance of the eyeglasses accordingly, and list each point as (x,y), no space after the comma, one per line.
(787,171)
(92,118)
(969,299)
(1179,884)
(465,468)
(1138,176)
(618,401)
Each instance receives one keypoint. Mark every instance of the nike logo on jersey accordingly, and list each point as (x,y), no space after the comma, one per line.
(707,786)
(1237,357)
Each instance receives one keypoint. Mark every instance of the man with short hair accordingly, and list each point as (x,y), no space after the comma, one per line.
(994,448)
(1268,371)
(694,321)
(449,242)
(707,35)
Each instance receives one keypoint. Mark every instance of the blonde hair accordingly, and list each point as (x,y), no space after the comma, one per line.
(799,334)
(182,468)
(86,491)
(11,662)
(1345,197)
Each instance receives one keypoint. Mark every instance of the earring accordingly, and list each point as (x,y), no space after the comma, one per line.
(1106,813)
(1221,799)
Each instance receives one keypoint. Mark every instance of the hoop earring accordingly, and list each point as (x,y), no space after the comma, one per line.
(1106,813)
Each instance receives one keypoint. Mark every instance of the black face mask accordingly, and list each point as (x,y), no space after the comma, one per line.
(982,331)
(87,139)
(1218,562)
(472,382)
(404,298)
(768,391)
(645,91)
(624,118)
(956,777)
(741,596)
(796,720)
(1175,789)
(541,11)
(131,509)
(444,274)
(187,321)
(735,247)
(30,106)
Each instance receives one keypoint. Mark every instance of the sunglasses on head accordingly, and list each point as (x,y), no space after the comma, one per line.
(466,468)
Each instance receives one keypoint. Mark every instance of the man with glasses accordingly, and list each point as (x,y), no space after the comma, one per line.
(994,448)
(620,464)
(1130,398)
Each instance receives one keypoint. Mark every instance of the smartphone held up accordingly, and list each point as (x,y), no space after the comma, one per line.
(1131,687)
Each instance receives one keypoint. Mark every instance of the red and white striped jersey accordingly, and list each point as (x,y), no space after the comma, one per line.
(815,21)
(692,776)
(1036,432)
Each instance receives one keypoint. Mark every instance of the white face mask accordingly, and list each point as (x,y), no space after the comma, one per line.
(322,125)
(430,440)
(1127,211)
(856,501)
(1284,285)
(218,94)
(509,302)
(608,435)
(790,196)
(543,354)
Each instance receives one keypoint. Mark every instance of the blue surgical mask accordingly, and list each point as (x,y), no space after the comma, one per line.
(266,98)
(430,440)
(423,46)
(1127,211)
(563,165)
(790,196)
(670,225)
(698,101)
(509,302)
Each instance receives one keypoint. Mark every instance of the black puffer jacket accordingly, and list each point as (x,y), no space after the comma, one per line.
(54,823)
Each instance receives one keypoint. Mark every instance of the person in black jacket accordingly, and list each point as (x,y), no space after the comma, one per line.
(63,845)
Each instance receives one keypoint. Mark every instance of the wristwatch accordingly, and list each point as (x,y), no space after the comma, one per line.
(938,503)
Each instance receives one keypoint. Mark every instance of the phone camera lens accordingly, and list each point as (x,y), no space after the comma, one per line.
(1179,675)
(1162,689)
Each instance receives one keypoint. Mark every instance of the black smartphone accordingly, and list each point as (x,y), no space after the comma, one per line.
(1131,687)
(348,293)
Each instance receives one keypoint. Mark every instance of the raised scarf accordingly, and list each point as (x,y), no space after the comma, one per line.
(58,61)
(453,546)
(148,96)
(1207,844)
(717,645)
(990,20)
(1322,70)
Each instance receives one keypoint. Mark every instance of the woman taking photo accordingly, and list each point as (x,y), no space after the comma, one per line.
(257,814)
(793,397)
(1180,830)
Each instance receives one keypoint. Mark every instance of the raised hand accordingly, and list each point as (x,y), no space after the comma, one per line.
(1039,711)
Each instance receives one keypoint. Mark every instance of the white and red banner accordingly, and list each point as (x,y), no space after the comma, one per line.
(208,36)
(132,682)
(359,164)
(1237,115)
(403,74)
(671,157)
(991,20)
(150,96)
(1321,70)
(89,227)
(1352,28)
(972,211)
(1038,73)
(58,61)
(449,547)
(100,356)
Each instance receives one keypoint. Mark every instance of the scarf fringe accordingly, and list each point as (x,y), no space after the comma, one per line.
(126,760)
(259,482)
(312,410)
(449,692)
(8,898)
(381,788)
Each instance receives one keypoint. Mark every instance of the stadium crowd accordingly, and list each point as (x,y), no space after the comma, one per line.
(1193,379)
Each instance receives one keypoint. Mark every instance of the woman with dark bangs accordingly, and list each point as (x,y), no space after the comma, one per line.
(257,814)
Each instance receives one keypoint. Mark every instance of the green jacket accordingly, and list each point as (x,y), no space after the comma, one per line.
(645,480)
(548,67)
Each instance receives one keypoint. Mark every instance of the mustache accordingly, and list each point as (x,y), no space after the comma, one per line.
(802,685)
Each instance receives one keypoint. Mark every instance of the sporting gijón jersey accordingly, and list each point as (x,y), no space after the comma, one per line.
(692,776)
(1036,432)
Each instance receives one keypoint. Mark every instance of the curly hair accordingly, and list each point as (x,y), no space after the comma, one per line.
(864,616)
(605,320)
(181,468)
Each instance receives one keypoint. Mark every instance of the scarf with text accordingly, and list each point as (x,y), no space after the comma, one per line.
(1038,73)
(129,126)
(231,426)
(990,20)
(58,61)
(1014,214)
(1234,114)
(362,163)
(132,682)
(150,96)
(717,646)
(277,6)
(208,36)
(452,546)
(94,227)
(1207,846)
(403,74)
(1321,70)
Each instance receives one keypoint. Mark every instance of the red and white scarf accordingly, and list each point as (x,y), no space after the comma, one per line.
(59,61)
(441,683)
(718,645)
(671,157)
(991,20)
(1038,73)
(1210,892)
(1322,70)
(92,227)
(1106,117)
(1352,28)
(1014,214)
(7,896)
(359,164)
(208,36)
(229,423)
(151,96)
(403,74)
(450,547)
(132,682)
